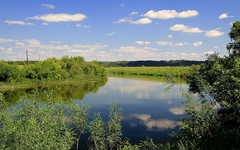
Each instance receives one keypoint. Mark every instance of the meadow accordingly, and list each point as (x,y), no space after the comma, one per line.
(150,71)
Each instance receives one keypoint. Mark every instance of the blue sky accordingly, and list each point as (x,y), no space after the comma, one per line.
(112,30)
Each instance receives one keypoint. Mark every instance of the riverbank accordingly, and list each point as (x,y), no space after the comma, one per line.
(15,85)
(150,71)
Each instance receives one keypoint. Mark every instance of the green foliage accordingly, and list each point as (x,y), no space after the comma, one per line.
(114,127)
(150,71)
(51,69)
(234,46)
(35,126)
(98,134)
(217,82)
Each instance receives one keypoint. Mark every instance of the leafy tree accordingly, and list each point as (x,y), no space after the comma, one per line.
(217,81)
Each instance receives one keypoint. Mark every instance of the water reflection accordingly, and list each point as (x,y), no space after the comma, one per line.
(177,111)
(151,124)
(62,90)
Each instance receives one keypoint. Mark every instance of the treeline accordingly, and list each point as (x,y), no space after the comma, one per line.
(50,69)
(150,63)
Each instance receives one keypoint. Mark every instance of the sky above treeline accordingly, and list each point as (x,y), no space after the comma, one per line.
(113,30)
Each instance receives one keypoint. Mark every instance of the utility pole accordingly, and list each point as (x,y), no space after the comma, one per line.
(27,56)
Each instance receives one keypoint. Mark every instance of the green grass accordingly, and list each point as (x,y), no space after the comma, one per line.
(150,71)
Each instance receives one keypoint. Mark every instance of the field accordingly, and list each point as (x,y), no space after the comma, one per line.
(150,71)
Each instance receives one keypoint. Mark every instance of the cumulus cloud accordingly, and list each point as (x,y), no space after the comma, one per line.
(197,44)
(214,33)
(55,42)
(140,52)
(171,43)
(45,24)
(60,17)
(18,22)
(125,19)
(142,21)
(48,6)
(133,13)
(224,15)
(183,28)
(168,14)
(170,36)
(91,46)
(164,43)
(209,53)
(142,42)
(7,40)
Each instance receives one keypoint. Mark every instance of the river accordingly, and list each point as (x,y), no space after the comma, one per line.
(149,109)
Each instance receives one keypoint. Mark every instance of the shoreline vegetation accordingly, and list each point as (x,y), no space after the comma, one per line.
(151,71)
(51,69)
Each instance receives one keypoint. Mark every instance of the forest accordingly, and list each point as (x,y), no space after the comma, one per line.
(150,63)
(50,69)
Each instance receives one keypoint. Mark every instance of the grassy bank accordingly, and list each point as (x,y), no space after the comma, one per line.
(150,71)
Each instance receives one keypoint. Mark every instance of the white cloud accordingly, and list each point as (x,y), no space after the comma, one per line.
(180,44)
(55,42)
(135,50)
(142,42)
(78,25)
(78,51)
(18,22)
(125,19)
(48,6)
(110,34)
(214,33)
(133,13)
(91,46)
(224,15)
(171,43)
(128,19)
(215,47)
(164,43)
(45,24)
(183,28)
(2,48)
(208,53)
(197,44)
(170,36)
(20,43)
(142,21)
(60,17)
(168,14)
(7,40)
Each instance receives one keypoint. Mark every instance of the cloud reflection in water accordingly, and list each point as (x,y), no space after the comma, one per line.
(151,124)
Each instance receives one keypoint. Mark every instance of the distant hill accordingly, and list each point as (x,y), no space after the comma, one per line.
(150,63)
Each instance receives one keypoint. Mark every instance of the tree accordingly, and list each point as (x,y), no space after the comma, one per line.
(234,47)
(217,81)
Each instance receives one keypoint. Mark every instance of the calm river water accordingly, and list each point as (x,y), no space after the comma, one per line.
(148,109)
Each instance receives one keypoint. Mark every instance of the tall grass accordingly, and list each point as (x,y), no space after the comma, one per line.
(150,71)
